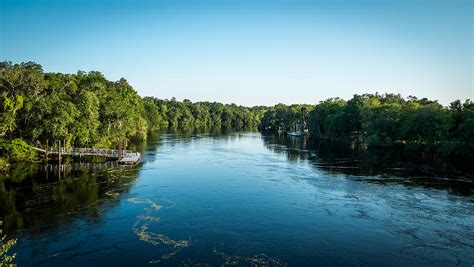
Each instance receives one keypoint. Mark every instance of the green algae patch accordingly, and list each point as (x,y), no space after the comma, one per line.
(154,205)
(141,228)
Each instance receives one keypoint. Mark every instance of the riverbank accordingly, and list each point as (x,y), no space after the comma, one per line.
(383,120)
(17,155)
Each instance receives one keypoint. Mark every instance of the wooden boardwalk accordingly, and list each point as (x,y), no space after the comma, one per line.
(79,152)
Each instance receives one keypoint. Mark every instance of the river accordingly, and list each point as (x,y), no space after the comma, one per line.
(243,199)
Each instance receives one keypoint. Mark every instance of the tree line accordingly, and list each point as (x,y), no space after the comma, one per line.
(172,113)
(87,110)
(387,120)
(83,109)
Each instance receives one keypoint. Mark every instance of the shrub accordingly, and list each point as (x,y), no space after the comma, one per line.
(17,150)
(5,246)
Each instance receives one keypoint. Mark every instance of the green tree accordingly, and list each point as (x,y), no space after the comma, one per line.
(8,118)
(424,124)
(87,123)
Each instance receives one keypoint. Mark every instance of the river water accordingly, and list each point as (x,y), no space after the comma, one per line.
(242,199)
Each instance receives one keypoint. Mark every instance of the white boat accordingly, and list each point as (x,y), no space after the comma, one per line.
(130,158)
(295,134)
(297,130)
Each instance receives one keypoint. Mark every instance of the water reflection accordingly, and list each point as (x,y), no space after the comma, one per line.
(381,166)
(40,197)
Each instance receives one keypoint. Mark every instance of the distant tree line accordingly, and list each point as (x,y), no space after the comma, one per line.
(87,110)
(173,113)
(384,121)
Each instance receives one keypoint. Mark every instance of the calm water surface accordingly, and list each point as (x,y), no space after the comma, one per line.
(242,199)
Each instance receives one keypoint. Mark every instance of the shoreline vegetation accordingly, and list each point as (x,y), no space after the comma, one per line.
(6,258)
(87,110)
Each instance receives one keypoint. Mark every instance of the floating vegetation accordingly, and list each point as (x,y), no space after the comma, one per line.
(112,194)
(145,201)
(135,200)
(142,229)
(258,260)
(154,205)
(156,238)
(148,218)
(189,263)
(265,260)
(151,203)
(164,257)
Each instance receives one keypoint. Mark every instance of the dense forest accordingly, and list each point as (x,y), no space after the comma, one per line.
(87,110)
(173,113)
(384,121)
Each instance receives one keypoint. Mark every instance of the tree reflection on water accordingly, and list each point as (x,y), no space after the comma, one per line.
(378,165)
(42,194)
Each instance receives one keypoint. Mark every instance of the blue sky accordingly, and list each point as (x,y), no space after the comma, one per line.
(252,52)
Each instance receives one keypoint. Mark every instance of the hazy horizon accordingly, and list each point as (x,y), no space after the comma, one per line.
(252,52)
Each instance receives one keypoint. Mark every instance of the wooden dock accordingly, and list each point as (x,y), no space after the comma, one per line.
(130,158)
(127,156)
(61,150)
(104,152)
